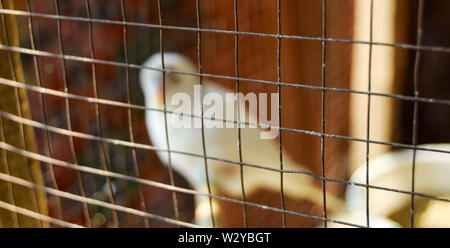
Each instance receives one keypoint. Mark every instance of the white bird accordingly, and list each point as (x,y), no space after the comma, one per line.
(219,142)
(393,170)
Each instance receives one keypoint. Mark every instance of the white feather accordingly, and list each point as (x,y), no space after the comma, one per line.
(394,171)
(219,142)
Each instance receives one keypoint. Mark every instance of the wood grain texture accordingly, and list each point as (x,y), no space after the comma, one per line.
(18,166)
(300,64)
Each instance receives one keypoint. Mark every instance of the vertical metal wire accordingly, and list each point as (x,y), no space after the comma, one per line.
(199,58)
(280,144)
(48,149)
(12,200)
(236,61)
(136,166)
(103,159)
(420,11)
(79,179)
(369,87)
(171,177)
(68,119)
(322,138)
(17,100)
(279,75)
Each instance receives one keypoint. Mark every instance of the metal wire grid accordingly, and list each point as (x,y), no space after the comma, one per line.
(369,87)
(105,172)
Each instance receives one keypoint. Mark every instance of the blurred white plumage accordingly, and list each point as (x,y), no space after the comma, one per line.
(393,170)
(220,142)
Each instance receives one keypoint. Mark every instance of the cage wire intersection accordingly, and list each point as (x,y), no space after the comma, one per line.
(48,158)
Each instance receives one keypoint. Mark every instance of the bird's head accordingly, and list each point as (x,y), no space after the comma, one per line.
(152,80)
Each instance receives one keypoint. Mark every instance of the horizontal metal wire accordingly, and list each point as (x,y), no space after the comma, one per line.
(95,171)
(152,148)
(230,32)
(134,106)
(207,75)
(28,184)
(32,214)
(106,173)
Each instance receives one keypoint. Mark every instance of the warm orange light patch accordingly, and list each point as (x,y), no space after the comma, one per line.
(160,98)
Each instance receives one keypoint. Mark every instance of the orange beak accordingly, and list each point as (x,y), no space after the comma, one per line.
(160,98)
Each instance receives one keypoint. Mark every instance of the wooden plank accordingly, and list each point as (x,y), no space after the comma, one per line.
(389,65)
(18,165)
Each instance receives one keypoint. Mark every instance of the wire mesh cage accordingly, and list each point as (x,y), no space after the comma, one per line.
(361,113)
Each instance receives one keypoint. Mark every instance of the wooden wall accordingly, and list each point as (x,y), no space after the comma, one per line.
(300,64)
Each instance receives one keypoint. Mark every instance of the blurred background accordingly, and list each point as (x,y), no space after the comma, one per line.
(301,63)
